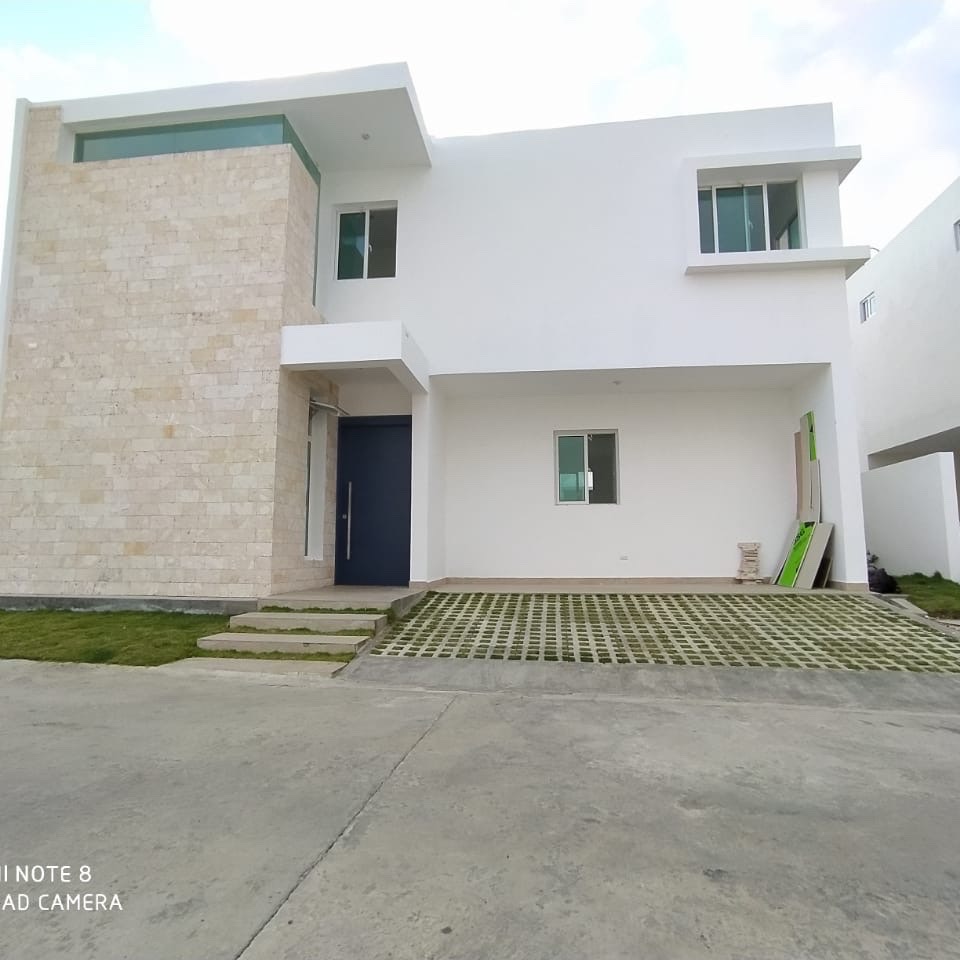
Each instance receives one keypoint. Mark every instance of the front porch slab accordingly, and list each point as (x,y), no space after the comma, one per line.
(607,585)
(397,599)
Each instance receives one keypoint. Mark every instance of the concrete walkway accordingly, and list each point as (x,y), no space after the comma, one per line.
(270,816)
(608,585)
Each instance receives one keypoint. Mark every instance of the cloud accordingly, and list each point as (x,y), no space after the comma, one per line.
(30,71)
(889,67)
(510,64)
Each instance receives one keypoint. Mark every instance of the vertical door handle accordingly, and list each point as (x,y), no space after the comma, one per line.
(349,516)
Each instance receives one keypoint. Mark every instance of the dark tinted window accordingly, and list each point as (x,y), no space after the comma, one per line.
(382,250)
(351,245)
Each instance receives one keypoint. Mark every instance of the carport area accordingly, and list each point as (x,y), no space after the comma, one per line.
(776,629)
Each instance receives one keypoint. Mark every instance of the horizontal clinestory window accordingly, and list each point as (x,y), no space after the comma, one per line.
(190,137)
(586,467)
(759,216)
(367,242)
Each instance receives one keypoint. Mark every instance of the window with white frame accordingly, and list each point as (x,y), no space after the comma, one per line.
(586,467)
(956,234)
(868,307)
(367,243)
(746,217)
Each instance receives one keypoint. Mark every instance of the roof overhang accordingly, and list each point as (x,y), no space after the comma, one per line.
(331,113)
(773,165)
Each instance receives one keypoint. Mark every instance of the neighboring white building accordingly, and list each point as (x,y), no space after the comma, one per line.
(904,308)
(571,353)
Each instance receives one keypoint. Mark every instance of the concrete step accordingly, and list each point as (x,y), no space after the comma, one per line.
(397,599)
(255,668)
(281,643)
(323,603)
(320,622)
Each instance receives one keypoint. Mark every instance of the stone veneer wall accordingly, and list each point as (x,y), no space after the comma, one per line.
(146,429)
(291,569)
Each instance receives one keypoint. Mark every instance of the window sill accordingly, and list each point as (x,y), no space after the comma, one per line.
(850,258)
(582,503)
(361,279)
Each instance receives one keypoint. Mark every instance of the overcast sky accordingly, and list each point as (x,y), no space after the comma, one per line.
(889,66)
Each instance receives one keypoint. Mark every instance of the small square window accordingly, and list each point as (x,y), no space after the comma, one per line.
(586,467)
(868,307)
(367,243)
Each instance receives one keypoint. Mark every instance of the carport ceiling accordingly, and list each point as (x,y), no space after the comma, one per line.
(539,383)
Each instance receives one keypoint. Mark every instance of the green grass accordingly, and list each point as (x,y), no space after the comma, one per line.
(135,639)
(938,596)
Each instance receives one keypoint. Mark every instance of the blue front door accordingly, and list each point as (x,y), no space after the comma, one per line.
(373,501)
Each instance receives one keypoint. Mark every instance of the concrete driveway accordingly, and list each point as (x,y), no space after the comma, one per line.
(259,817)
(759,628)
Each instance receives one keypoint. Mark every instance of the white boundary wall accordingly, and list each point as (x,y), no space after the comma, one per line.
(905,356)
(911,515)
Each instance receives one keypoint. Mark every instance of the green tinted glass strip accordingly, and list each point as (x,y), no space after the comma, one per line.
(290,136)
(352,243)
(179,138)
(705,204)
(571,480)
(190,137)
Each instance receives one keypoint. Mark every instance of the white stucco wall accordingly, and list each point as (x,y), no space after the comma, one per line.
(827,393)
(11,222)
(911,516)
(698,473)
(566,249)
(428,507)
(821,201)
(906,355)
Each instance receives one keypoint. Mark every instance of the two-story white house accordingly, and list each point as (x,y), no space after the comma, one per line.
(904,309)
(263,336)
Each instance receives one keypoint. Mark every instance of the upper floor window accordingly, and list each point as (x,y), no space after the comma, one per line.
(868,307)
(763,216)
(956,234)
(367,243)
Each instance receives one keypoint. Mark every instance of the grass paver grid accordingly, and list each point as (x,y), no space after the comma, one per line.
(804,631)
